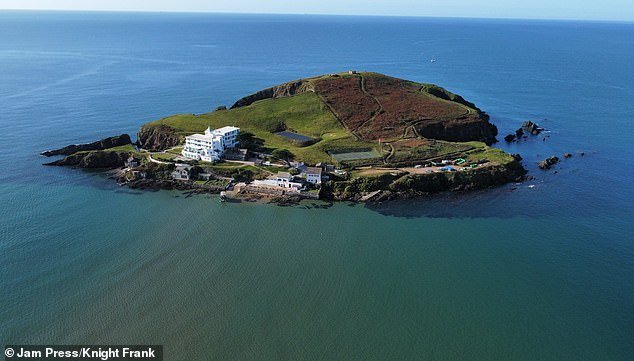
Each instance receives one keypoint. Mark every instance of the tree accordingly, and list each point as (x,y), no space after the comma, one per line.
(249,141)
(283,154)
(245,137)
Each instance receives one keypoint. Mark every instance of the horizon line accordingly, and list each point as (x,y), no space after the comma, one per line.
(314,14)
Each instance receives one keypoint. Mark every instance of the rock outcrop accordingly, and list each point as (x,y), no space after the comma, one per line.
(105,143)
(158,137)
(548,162)
(399,186)
(530,127)
(98,159)
(279,91)
(459,130)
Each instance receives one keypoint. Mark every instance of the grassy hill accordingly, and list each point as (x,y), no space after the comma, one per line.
(390,120)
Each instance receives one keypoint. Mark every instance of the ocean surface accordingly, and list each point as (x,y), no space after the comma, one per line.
(543,270)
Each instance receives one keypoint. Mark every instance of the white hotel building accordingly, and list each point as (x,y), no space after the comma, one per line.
(211,146)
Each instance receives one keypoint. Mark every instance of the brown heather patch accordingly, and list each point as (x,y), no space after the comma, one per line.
(345,97)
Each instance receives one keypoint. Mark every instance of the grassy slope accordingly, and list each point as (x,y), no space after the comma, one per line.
(308,115)
(304,114)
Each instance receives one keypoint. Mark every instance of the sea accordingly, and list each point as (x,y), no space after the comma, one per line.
(542,270)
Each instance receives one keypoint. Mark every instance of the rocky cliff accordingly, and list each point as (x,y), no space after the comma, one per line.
(459,130)
(106,143)
(98,159)
(158,137)
(402,185)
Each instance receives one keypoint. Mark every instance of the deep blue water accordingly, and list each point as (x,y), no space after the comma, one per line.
(515,273)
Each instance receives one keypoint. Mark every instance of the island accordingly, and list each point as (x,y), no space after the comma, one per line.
(357,136)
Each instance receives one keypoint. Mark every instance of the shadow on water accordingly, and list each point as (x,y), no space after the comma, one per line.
(502,202)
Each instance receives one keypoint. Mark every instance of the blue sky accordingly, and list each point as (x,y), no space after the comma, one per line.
(540,9)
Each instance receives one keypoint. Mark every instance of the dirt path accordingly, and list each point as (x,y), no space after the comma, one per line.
(365,91)
(149,156)
(391,153)
(334,113)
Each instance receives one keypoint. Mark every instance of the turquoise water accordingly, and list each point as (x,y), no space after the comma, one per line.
(515,273)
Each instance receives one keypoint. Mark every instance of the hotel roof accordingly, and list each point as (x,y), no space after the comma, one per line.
(226,129)
(204,137)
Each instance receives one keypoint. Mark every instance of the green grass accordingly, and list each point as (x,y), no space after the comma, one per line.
(226,165)
(164,156)
(122,148)
(493,155)
(305,114)
(176,151)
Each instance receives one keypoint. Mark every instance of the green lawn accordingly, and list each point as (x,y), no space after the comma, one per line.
(164,156)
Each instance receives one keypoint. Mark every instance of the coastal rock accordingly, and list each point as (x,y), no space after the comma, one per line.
(105,143)
(509,138)
(567,155)
(531,128)
(517,157)
(548,162)
(158,137)
(398,186)
(94,159)
(460,130)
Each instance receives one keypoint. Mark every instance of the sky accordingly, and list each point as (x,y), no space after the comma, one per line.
(622,10)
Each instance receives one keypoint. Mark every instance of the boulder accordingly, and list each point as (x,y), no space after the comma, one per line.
(531,128)
(548,162)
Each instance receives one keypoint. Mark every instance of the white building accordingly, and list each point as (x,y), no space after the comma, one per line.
(211,146)
(313,175)
(281,180)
